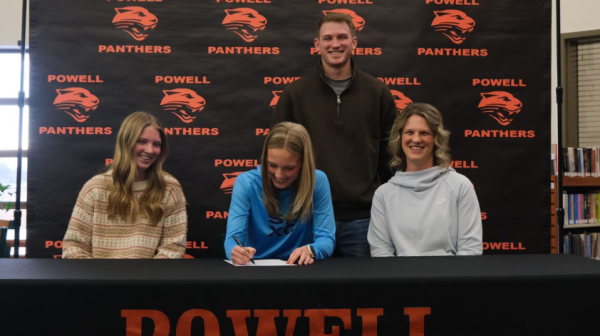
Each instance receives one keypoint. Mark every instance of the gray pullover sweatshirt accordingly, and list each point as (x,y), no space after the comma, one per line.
(430,212)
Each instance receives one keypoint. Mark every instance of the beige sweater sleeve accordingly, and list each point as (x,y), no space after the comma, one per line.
(77,243)
(173,240)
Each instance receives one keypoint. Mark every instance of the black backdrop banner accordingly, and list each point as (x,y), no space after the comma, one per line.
(211,71)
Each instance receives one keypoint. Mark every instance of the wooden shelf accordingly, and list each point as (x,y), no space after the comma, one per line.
(579,226)
(581,181)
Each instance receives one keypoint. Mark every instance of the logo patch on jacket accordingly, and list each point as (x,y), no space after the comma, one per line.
(280,226)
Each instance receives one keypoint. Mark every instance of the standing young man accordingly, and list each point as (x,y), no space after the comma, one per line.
(348,114)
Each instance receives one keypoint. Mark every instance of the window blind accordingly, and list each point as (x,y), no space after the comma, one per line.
(588,83)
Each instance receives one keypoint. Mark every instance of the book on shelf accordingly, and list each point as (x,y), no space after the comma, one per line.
(581,208)
(588,245)
(578,162)
(593,247)
(583,244)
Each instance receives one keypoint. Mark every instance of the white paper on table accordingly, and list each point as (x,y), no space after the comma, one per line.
(264,262)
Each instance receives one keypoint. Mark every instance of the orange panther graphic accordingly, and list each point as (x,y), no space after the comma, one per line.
(245,22)
(454,24)
(401,100)
(135,21)
(500,105)
(76,102)
(359,22)
(227,185)
(275,99)
(183,103)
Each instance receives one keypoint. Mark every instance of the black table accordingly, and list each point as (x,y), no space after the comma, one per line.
(487,295)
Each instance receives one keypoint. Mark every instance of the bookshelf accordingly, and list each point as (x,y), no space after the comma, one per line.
(582,184)
(571,185)
(553,220)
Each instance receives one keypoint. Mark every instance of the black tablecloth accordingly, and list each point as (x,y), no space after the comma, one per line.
(487,295)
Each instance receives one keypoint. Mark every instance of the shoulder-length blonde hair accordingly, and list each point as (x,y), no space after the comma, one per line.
(294,138)
(124,170)
(441,156)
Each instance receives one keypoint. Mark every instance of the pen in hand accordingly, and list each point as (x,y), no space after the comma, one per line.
(242,246)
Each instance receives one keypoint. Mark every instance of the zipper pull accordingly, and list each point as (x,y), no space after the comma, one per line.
(339,100)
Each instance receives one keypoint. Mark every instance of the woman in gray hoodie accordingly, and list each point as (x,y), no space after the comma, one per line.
(426,208)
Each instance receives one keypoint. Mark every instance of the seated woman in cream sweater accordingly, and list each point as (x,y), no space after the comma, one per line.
(135,210)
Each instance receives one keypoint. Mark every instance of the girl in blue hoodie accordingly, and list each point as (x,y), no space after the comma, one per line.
(282,209)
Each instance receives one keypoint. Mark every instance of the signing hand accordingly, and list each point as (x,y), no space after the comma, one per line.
(302,255)
(242,256)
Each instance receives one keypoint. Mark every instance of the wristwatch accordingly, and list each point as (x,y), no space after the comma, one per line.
(312,251)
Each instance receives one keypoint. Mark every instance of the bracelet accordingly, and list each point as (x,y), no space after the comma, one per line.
(311,250)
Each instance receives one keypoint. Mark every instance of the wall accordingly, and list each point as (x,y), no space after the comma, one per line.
(10,22)
(579,15)
(576,16)
(573,20)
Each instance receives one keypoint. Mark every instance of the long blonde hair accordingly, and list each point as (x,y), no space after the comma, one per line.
(294,138)
(124,170)
(441,157)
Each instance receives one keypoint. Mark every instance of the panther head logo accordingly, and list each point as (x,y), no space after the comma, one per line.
(401,100)
(76,102)
(454,24)
(500,105)
(227,185)
(275,99)
(135,21)
(245,22)
(359,22)
(183,103)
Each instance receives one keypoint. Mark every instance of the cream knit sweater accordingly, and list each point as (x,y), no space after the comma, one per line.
(92,235)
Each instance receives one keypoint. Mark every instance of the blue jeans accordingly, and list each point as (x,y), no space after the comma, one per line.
(351,238)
